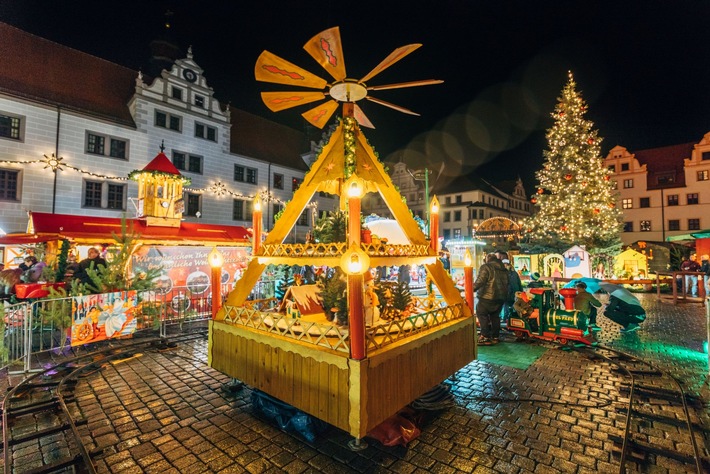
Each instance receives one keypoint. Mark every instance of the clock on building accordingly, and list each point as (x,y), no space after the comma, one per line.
(189,75)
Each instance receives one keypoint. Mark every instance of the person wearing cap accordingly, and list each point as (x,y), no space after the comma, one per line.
(535,281)
(491,288)
(587,304)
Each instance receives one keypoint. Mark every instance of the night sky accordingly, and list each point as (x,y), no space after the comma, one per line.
(642,66)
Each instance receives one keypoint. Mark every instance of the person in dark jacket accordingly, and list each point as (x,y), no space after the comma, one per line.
(514,285)
(491,289)
(92,261)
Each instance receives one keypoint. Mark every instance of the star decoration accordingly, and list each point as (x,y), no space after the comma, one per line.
(219,188)
(53,162)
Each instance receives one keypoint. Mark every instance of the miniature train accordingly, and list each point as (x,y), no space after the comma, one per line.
(546,320)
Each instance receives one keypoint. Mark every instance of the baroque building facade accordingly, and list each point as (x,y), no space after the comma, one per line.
(73,126)
(662,192)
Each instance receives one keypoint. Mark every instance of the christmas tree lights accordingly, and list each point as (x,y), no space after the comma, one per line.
(575,201)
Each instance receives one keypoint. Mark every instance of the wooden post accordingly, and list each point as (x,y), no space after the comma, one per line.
(356,317)
(468,279)
(434,227)
(216,260)
(256,225)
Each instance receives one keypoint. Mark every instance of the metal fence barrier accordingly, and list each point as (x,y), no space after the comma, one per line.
(36,326)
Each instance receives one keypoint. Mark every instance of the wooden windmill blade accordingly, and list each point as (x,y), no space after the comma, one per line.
(393,57)
(277,101)
(318,116)
(271,68)
(327,49)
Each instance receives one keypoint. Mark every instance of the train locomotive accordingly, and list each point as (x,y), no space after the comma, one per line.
(541,317)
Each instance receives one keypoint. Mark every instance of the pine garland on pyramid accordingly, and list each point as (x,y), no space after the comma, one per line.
(575,201)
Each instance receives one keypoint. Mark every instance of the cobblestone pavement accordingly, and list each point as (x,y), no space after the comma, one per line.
(169,412)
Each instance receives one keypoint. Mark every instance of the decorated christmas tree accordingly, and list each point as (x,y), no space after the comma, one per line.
(575,201)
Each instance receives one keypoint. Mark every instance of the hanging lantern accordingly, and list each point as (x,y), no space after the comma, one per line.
(533,200)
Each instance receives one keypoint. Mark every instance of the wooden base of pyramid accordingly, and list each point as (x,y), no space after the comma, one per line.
(353,395)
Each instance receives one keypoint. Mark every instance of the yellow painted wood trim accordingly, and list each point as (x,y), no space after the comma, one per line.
(445,284)
(243,288)
(317,353)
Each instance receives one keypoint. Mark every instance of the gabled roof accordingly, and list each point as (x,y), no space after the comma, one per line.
(43,227)
(465,183)
(667,159)
(38,69)
(162,164)
(265,140)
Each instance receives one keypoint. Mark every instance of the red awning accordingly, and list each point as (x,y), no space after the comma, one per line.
(44,227)
(26,239)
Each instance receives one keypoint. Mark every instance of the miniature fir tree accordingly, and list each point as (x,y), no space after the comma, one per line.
(575,202)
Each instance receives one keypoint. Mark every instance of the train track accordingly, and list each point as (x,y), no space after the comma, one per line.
(41,420)
(654,399)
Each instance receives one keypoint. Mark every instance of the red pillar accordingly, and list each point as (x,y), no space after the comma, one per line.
(356,317)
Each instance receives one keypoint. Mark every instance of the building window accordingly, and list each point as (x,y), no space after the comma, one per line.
(447,201)
(458,199)
(177,93)
(480,214)
(447,234)
(674,224)
(628,226)
(645,226)
(241,210)
(187,162)
(627,203)
(457,216)
(244,174)
(295,183)
(11,127)
(706,155)
(9,185)
(94,192)
(275,209)
(457,233)
(624,167)
(206,132)
(672,199)
(693,224)
(115,196)
(703,175)
(303,218)
(645,202)
(447,216)
(199,101)
(628,183)
(693,198)
(278,181)
(194,204)
(612,168)
(169,121)
(96,145)
(614,185)
(665,179)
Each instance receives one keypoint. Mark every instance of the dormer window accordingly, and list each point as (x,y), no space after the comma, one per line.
(624,167)
(199,101)
(177,93)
